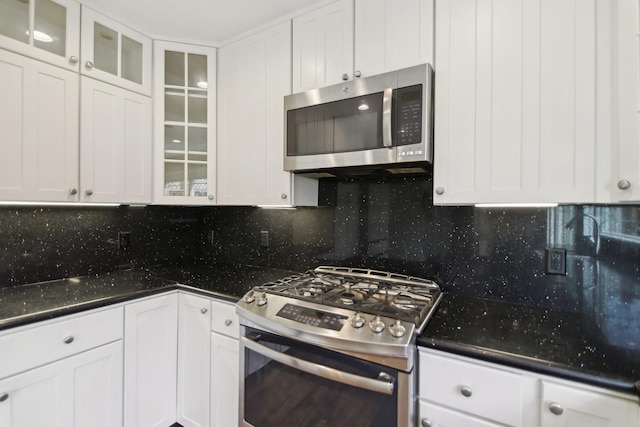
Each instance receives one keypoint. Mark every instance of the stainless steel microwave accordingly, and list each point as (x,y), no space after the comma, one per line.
(382,120)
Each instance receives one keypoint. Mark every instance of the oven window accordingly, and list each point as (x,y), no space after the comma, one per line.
(278,395)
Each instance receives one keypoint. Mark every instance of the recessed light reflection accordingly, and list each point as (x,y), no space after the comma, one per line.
(202,85)
(177,141)
(41,37)
(363,107)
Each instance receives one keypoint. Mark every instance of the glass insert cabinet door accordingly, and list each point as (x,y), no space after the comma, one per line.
(115,54)
(48,30)
(185,124)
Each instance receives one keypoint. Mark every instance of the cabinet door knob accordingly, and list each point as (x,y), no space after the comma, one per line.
(88,192)
(624,184)
(89,65)
(283,196)
(439,190)
(69,339)
(4,396)
(345,76)
(426,422)
(465,390)
(73,191)
(210,197)
(228,322)
(203,310)
(357,73)
(555,408)
(74,59)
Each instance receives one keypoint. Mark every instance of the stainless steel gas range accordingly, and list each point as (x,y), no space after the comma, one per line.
(332,346)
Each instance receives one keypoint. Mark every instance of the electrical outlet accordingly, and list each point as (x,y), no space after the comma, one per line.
(555,261)
(264,239)
(124,239)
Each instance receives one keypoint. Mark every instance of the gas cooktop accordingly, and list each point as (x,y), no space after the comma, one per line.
(348,309)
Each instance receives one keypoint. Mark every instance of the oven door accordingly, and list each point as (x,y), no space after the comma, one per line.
(284,382)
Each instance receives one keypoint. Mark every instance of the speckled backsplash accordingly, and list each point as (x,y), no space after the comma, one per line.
(390,225)
(40,244)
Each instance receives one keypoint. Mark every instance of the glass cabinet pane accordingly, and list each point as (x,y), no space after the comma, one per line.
(173,68)
(197,180)
(198,139)
(105,49)
(174,106)
(14,19)
(198,71)
(185,122)
(131,68)
(174,141)
(50,27)
(197,107)
(174,179)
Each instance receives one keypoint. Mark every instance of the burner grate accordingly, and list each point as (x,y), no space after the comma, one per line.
(392,295)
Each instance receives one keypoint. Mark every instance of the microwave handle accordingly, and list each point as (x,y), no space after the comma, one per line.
(378,386)
(387,102)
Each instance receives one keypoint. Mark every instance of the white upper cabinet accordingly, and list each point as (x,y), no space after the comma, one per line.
(392,34)
(185,129)
(48,30)
(38,129)
(336,43)
(115,54)
(323,46)
(115,144)
(625,182)
(254,77)
(515,101)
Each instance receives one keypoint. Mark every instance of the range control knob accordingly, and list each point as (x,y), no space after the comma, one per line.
(262,299)
(376,325)
(358,321)
(250,297)
(397,329)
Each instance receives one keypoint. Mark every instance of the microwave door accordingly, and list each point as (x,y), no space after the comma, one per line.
(348,132)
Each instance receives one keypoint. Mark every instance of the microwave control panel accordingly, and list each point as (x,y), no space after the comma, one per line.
(409,115)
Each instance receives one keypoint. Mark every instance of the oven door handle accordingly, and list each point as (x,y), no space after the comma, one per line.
(378,386)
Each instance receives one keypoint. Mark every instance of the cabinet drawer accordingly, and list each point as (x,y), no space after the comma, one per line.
(54,340)
(224,319)
(476,389)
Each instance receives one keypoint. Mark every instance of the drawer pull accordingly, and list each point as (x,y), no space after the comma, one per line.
(69,339)
(228,322)
(465,390)
(4,396)
(556,408)
(426,422)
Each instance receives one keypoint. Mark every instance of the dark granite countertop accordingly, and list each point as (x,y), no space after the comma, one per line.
(602,348)
(25,304)
(593,347)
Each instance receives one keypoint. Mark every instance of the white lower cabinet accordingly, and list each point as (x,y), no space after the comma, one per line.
(485,392)
(194,360)
(150,360)
(225,368)
(566,406)
(456,391)
(63,372)
(432,415)
(82,390)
